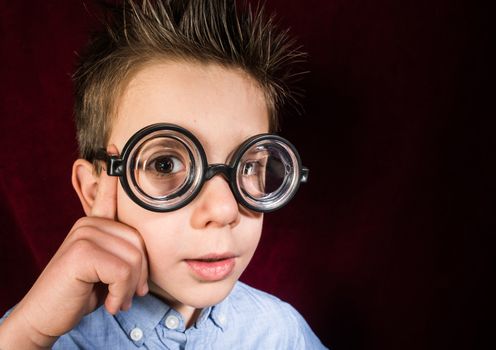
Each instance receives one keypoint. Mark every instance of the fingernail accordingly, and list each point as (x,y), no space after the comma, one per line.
(111,306)
(144,289)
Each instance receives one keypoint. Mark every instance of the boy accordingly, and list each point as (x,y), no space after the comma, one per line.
(172,91)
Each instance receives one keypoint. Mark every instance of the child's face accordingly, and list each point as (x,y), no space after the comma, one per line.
(222,108)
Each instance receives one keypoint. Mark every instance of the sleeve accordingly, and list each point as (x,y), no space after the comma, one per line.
(6,315)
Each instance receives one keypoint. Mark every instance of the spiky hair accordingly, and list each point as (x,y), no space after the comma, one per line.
(200,31)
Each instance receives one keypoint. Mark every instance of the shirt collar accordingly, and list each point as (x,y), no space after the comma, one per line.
(217,314)
(220,314)
(147,312)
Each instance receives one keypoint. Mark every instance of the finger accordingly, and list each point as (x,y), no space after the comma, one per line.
(120,290)
(101,266)
(105,204)
(142,288)
(119,239)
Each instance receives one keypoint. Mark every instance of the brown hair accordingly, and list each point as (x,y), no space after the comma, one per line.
(213,31)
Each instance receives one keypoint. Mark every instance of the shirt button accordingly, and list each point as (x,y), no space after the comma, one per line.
(172,322)
(222,319)
(136,334)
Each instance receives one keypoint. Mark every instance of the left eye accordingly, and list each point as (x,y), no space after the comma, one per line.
(251,168)
(166,165)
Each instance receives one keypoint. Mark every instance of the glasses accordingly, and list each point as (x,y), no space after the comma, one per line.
(163,167)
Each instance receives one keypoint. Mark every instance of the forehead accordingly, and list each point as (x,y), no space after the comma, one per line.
(221,106)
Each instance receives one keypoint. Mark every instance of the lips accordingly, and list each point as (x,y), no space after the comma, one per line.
(212,267)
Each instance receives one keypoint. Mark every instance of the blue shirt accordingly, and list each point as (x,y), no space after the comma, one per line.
(247,319)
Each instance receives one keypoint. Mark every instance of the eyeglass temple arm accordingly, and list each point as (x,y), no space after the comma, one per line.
(114,164)
(304,174)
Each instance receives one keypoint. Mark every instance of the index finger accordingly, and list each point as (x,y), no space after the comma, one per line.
(105,204)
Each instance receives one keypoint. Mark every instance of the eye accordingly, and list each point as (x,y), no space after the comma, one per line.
(165,165)
(251,168)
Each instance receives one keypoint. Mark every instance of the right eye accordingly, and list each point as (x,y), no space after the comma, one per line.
(165,165)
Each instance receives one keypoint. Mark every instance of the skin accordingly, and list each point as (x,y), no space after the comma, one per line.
(119,249)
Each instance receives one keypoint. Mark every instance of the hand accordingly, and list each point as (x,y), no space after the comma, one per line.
(101,260)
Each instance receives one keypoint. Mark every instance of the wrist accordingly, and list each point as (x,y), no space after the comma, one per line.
(16,332)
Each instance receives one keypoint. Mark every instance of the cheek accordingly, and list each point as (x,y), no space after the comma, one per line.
(171,231)
(125,208)
(250,235)
(159,231)
(143,220)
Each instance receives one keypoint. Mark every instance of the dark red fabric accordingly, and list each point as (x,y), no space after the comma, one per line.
(385,247)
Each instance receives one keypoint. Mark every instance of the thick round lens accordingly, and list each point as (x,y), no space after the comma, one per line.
(262,172)
(267,174)
(162,167)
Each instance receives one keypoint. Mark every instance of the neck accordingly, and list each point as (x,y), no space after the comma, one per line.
(189,313)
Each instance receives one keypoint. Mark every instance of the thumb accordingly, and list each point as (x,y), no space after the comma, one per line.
(105,204)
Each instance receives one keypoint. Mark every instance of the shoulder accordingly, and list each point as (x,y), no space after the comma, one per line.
(251,301)
(265,313)
(243,293)
(93,330)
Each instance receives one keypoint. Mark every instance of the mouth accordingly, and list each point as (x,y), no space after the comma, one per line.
(212,267)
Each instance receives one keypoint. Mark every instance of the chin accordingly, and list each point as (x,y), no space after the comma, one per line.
(204,294)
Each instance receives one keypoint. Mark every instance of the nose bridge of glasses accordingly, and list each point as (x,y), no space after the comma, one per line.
(214,169)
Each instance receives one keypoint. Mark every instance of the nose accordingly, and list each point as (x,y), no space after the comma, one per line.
(215,205)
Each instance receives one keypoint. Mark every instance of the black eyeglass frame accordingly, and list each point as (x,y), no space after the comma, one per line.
(116,166)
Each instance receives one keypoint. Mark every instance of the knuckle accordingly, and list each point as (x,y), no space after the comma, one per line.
(81,221)
(136,239)
(135,257)
(81,248)
(123,271)
(81,230)
(76,224)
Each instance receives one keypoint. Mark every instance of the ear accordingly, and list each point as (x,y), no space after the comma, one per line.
(85,183)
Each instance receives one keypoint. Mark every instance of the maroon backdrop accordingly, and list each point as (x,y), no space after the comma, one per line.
(385,247)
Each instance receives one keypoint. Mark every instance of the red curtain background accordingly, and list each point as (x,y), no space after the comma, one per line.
(386,247)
